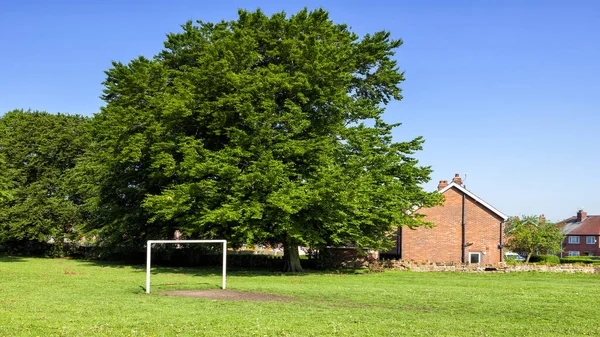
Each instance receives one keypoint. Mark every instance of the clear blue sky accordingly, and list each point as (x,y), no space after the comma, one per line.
(507,91)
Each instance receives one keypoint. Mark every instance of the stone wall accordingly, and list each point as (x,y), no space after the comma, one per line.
(501,268)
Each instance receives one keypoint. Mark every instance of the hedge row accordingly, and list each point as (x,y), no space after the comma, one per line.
(552,259)
(544,259)
(594,260)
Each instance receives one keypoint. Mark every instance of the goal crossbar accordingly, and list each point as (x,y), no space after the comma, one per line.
(149,256)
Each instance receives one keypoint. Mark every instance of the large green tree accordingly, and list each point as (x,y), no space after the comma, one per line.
(262,129)
(529,235)
(5,181)
(37,152)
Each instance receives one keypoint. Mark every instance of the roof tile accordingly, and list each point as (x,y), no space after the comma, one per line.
(589,226)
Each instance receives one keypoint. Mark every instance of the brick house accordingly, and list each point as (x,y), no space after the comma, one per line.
(467,230)
(582,235)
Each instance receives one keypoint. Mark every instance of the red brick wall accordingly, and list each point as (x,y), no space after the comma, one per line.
(442,243)
(582,247)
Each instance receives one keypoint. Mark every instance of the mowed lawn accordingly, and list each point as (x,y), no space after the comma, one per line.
(58,297)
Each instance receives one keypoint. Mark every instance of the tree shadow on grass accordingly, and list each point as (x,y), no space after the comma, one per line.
(234,272)
(11,259)
(206,271)
(194,271)
(168,286)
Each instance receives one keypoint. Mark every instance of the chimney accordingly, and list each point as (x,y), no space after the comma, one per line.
(542,219)
(457,179)
(442,184)
(581,215)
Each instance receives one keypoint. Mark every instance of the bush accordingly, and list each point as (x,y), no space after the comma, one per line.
(594,260)
(345,258)
(26,248)
(512,261)
(545,259)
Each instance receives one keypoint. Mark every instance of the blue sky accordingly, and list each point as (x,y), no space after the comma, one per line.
(506,91)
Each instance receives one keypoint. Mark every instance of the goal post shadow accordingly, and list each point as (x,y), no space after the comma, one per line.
(149,244)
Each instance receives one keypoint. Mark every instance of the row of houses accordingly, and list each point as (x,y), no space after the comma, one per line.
(470,230)
(582,233)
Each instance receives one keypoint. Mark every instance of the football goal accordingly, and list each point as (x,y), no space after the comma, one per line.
(149,255)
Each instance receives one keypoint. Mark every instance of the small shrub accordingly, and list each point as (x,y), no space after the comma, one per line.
(545,259)
(344,258)
(512,261)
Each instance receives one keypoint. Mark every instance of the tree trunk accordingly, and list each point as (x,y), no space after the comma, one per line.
(291,259)
(528,257)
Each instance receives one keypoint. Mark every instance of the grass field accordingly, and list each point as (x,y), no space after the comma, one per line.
(56,297)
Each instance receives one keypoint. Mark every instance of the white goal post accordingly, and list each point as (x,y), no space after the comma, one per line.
(149,250)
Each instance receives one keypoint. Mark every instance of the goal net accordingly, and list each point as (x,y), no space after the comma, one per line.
(149,255)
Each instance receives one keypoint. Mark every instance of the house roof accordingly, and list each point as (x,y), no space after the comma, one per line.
(589,226)
(476,198)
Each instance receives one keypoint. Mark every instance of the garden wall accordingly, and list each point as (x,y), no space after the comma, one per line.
(502,268)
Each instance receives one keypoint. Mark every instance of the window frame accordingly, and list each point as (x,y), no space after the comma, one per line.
(587,240)
(575,239)
(574,253)
(479,254)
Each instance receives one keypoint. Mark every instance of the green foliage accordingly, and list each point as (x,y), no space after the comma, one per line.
(262,129)
(52,297)
(6,180)
(545,259)
(512,261)
(37,152)
(595,260)
(530,236)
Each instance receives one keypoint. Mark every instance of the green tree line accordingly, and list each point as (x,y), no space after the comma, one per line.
(38,152)
(264,129)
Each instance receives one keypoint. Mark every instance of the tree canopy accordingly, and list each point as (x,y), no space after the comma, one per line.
(264,129)
(37,152)
(5,181)
(261,129)
(529,235)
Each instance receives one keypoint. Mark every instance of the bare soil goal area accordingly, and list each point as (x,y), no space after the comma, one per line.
(229,295)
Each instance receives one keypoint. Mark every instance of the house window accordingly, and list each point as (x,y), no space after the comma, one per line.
(574,240)
(475,258)
(590,240)
(573,253)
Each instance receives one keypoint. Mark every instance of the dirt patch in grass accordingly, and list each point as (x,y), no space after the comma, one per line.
(229,295)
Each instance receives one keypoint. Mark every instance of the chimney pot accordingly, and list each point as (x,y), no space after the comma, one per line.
(457,179)
(581,215)
(442,184)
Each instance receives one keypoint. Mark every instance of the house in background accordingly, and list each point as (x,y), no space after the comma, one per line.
(467,230)
(582,235)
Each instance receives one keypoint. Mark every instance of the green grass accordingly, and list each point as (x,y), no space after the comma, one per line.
(54,297)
